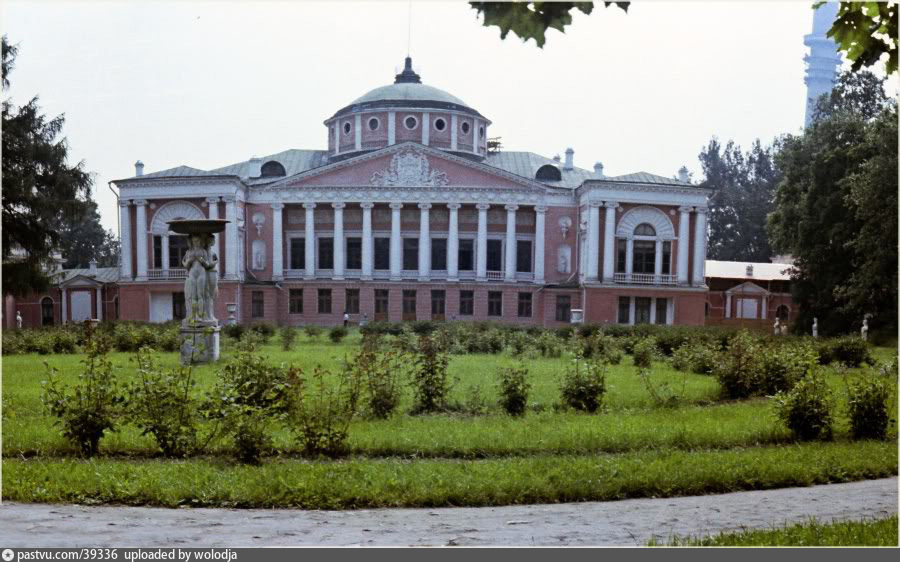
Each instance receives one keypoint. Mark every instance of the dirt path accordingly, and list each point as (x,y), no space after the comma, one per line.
(628,522)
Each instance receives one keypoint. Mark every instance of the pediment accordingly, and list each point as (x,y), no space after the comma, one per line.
(408,165)
(748,287)
(80,281)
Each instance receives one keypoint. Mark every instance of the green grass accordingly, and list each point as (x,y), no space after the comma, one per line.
(874,532)
(634,448)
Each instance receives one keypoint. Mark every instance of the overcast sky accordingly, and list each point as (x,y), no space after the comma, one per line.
(208,84)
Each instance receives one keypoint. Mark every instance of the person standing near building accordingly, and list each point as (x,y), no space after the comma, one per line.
(346,318)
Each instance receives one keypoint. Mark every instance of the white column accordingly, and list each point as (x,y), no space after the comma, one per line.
(141,228)
(629,256)
(540,214)
(65,306)
(213,203)
(653,310)
(231,239)
(454,125)
(338,272)
(357,129)
(511,242)
(631,311)
(368,242)
(125,240)
(453,242)
(424,242)
(727,305)
(593,242)
(310,241)
(277,242)
(475,139)
(481,250)
(426,128)
(765,305)
(657,260)
(700,248)
(164,259)
(670,311)
(609,242)
(337,136)
(392,128)
(99,291)
(396,242)
(683,244)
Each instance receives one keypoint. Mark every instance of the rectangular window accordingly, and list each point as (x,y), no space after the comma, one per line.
(641,310)
(495,303)
(381,304)
(409,305)
(661,309)
(621,250)
(466,303)
(257,304)
(524,305)
(354,253)
(495,255)
(326,253)
(439,254)
(667,258)
(324,301)
(351,303)
(178,309)
(178,246)
(410,254)
(523,256)
(563,308)
(382,253)
(624,307)
(157,252)
(438,304)
(296,301)
(466,254)
(298,253)
(644,258)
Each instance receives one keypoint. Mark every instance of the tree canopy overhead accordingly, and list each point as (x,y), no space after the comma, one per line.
(531,20)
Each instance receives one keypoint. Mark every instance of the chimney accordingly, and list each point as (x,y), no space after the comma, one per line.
(569,155)
(684,175)
(255,169)
(138,168)
(93,266)
(598,170)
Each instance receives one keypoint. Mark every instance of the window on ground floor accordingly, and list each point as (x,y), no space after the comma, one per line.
(351,304)
(296,301)
(257,304)
(563,308)
(642,310)
(324,301)
(438,304)
(409,305)
(624,310)
(661,311)
(466,303)
(381,301)
(495,303)
(46,311)
(525,305)
(178,308)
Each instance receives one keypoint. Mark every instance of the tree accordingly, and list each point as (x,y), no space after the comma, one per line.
(41,191)
(84,240)
(743,187)
(865,31)
(836,212)
(530,20)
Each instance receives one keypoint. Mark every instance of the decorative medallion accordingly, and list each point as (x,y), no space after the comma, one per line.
(409,168)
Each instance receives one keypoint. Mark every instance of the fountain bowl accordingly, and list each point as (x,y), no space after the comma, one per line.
(198,226)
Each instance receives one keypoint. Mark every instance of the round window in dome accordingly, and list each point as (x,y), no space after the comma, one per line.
(410,122)
(373,124)
(481,132)
(465,127)
(347,128)
(440,124)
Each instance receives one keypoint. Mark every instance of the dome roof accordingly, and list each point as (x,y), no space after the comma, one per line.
(409,92)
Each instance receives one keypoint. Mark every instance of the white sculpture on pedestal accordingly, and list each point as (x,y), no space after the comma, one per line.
(815,328)
(201,283)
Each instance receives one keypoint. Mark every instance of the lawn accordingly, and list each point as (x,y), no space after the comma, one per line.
(633,448)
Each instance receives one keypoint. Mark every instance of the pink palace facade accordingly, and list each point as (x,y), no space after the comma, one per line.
(409,216)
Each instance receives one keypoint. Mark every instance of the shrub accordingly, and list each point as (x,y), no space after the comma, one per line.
(430,376)
(94,405)
(850,350)
(235,331)
(169,338)
(548,344)
(583,385)
(782,366)
(520,343)
(64,341)
(312,331)
(320,417)
(806,408)
(163,404)
(663,394)
(643,352)
(337,333)
(379,372)
(423,327)
(868,405)
(288,337)
(606,348)
(264,329)
(738,370)
(514,388)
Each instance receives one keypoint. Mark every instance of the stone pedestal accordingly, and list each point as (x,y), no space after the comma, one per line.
(199,344)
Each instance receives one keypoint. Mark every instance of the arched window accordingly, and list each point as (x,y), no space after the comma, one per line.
(272,169)
(46,311)
(644,229)
(548,172)
(783,313)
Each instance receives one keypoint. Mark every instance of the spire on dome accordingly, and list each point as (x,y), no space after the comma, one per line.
(408,76)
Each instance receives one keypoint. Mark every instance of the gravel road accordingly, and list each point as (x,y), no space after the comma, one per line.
(627,522)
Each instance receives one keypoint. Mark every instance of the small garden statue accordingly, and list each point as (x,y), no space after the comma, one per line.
(19,319)
(864,331)
(815,327)
(201,284)
(776,328)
